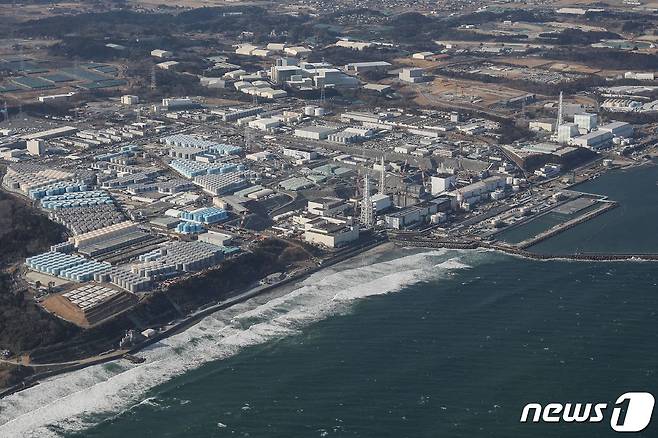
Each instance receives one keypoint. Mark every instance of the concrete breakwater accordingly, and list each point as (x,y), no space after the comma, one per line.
(428,242)
(607,205)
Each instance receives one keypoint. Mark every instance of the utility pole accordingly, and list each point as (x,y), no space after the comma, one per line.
(382,178)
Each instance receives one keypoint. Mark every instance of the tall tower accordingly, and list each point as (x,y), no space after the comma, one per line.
(154,83)
(382,178)
(560,115)
(247,138)
(367,214)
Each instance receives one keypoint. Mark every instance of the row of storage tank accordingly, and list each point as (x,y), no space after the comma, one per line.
(314,111)
(81,220)
(189,228)
(209,215)
(125,279)
(185,256)
(58,188)
(69,267)
(86,202)
(190,168)
(84,272)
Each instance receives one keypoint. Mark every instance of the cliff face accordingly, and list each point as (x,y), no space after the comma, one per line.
(231,277)
(23,325)
(24,231)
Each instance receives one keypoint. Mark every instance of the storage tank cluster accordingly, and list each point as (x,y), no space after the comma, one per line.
(58,188)
(81,220)
(155,270)
(64,247)
(219,184)
(208,215)
(225,149)
(84,271)
(53,262)
(190,169)
(314,111)
(125,279)
(189,228)
(125,151)
(76,199)
(186,256)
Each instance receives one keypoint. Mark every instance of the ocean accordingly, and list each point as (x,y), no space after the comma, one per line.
(401,342)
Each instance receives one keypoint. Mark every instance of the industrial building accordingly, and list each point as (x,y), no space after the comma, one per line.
(300,154)
(129,99)
(371,66)
(412,75)
(326,206)
(330,232)
(587,122)
(618,129)
(566,132)
(442,183)
(315,132)
(423,55)
(593,140)
(158,53)
(471,194)
(36,147)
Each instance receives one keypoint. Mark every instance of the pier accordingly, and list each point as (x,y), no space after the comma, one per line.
(429,242)
(559,228)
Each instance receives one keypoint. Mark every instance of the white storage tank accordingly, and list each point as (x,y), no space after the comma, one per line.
(319,112)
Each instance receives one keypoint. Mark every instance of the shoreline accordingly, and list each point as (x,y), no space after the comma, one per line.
(190,320)
(382,241)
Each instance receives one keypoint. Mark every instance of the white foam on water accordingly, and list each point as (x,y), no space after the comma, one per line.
(74,401)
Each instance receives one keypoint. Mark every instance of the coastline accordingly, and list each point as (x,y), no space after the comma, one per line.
(194,318)
(377,245)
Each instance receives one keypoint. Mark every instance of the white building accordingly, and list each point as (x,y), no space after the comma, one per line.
(442,184)
(354,45)
(330,232)
(326,206)
(297,51)
(360,67)
(587,122)
(648,76)
(618,129)
(36,147)
(215,238)
(412,75)
(315,132)
(265,124)
(300,154)
(593,140)
(422,55)
(566,132)
(168,65)
(381,202)
(161,53)
(129,99)
(538,125)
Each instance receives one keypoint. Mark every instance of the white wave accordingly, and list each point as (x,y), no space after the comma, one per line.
(74,401)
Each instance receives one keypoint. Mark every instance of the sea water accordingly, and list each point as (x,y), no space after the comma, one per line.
(402,343)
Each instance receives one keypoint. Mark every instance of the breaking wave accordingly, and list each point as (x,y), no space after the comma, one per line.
(78,400)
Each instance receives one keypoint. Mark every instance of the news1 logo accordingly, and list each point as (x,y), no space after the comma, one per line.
(630,413)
